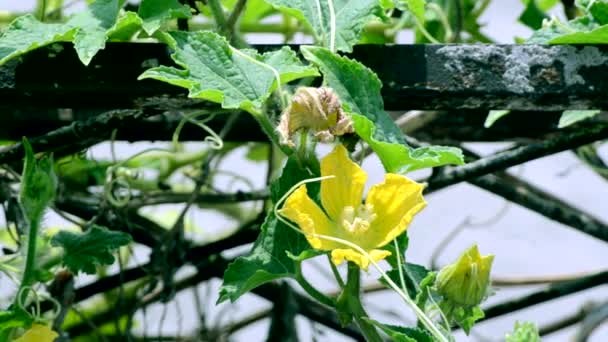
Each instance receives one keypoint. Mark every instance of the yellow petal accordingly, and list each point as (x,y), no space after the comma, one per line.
(395,202)
(338,256)
(303,211)
(346,188)
(38,333)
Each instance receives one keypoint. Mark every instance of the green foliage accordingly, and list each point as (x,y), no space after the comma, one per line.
(127,26)
(214,71)
(12,319)
(92,26)
(570,117)
(269,259)
(26,33)
(413,275)
(85,251)
(599,11)
(532,16)
(403,334)
(416,7)
(359,91)
(402,243)
(590,28)
(88,30)
(464,317)
(155,12)
(350,18)
(38,184)
(523,332)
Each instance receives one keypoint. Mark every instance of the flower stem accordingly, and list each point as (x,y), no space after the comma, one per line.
(30,268)
(311,290)
(353,291)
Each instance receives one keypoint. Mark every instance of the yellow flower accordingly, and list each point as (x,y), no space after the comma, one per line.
(387,212)
(38,333)
(465,282)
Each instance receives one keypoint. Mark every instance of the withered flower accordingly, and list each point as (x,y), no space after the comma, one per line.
(318,110)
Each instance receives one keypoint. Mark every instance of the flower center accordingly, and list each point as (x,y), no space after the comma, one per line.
(357,220)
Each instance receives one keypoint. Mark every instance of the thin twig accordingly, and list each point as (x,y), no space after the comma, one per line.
(148,199)
(503,160)
(553,291)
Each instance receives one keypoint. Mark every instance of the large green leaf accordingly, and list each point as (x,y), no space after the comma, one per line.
(85,251)
(214,71)
(582,30)
(92,25)
(26,33)
(359,91)
(350,18)
(155,12)
(270,257)
(88,30)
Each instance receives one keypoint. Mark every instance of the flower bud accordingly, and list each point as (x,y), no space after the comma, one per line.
(465,282)
(317,109)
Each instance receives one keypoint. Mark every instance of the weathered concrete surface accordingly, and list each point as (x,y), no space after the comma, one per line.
(481,77)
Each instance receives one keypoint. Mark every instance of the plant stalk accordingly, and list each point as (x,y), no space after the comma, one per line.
(353,291)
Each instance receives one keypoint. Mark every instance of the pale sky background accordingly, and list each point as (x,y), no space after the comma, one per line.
(523,242)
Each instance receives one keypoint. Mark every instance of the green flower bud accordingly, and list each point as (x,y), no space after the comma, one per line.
(523,332)
(465,282)
(38,184)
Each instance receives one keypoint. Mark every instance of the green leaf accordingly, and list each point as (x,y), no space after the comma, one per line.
(599,11)
(38,184)
(125,28)
(258,152)
(92,25)
(11,319)
(416,7)
(85,251)
(466,317)
(493,116)
(254,12)
(87,30)
(270,257)
(413,275)
(350,18)
(596,36)
(214,71)
(156,12)
(402,242)
(523,332)
(582,30)
(402,334)
(570,117)
(26,33)
(532,16)
(359,90)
